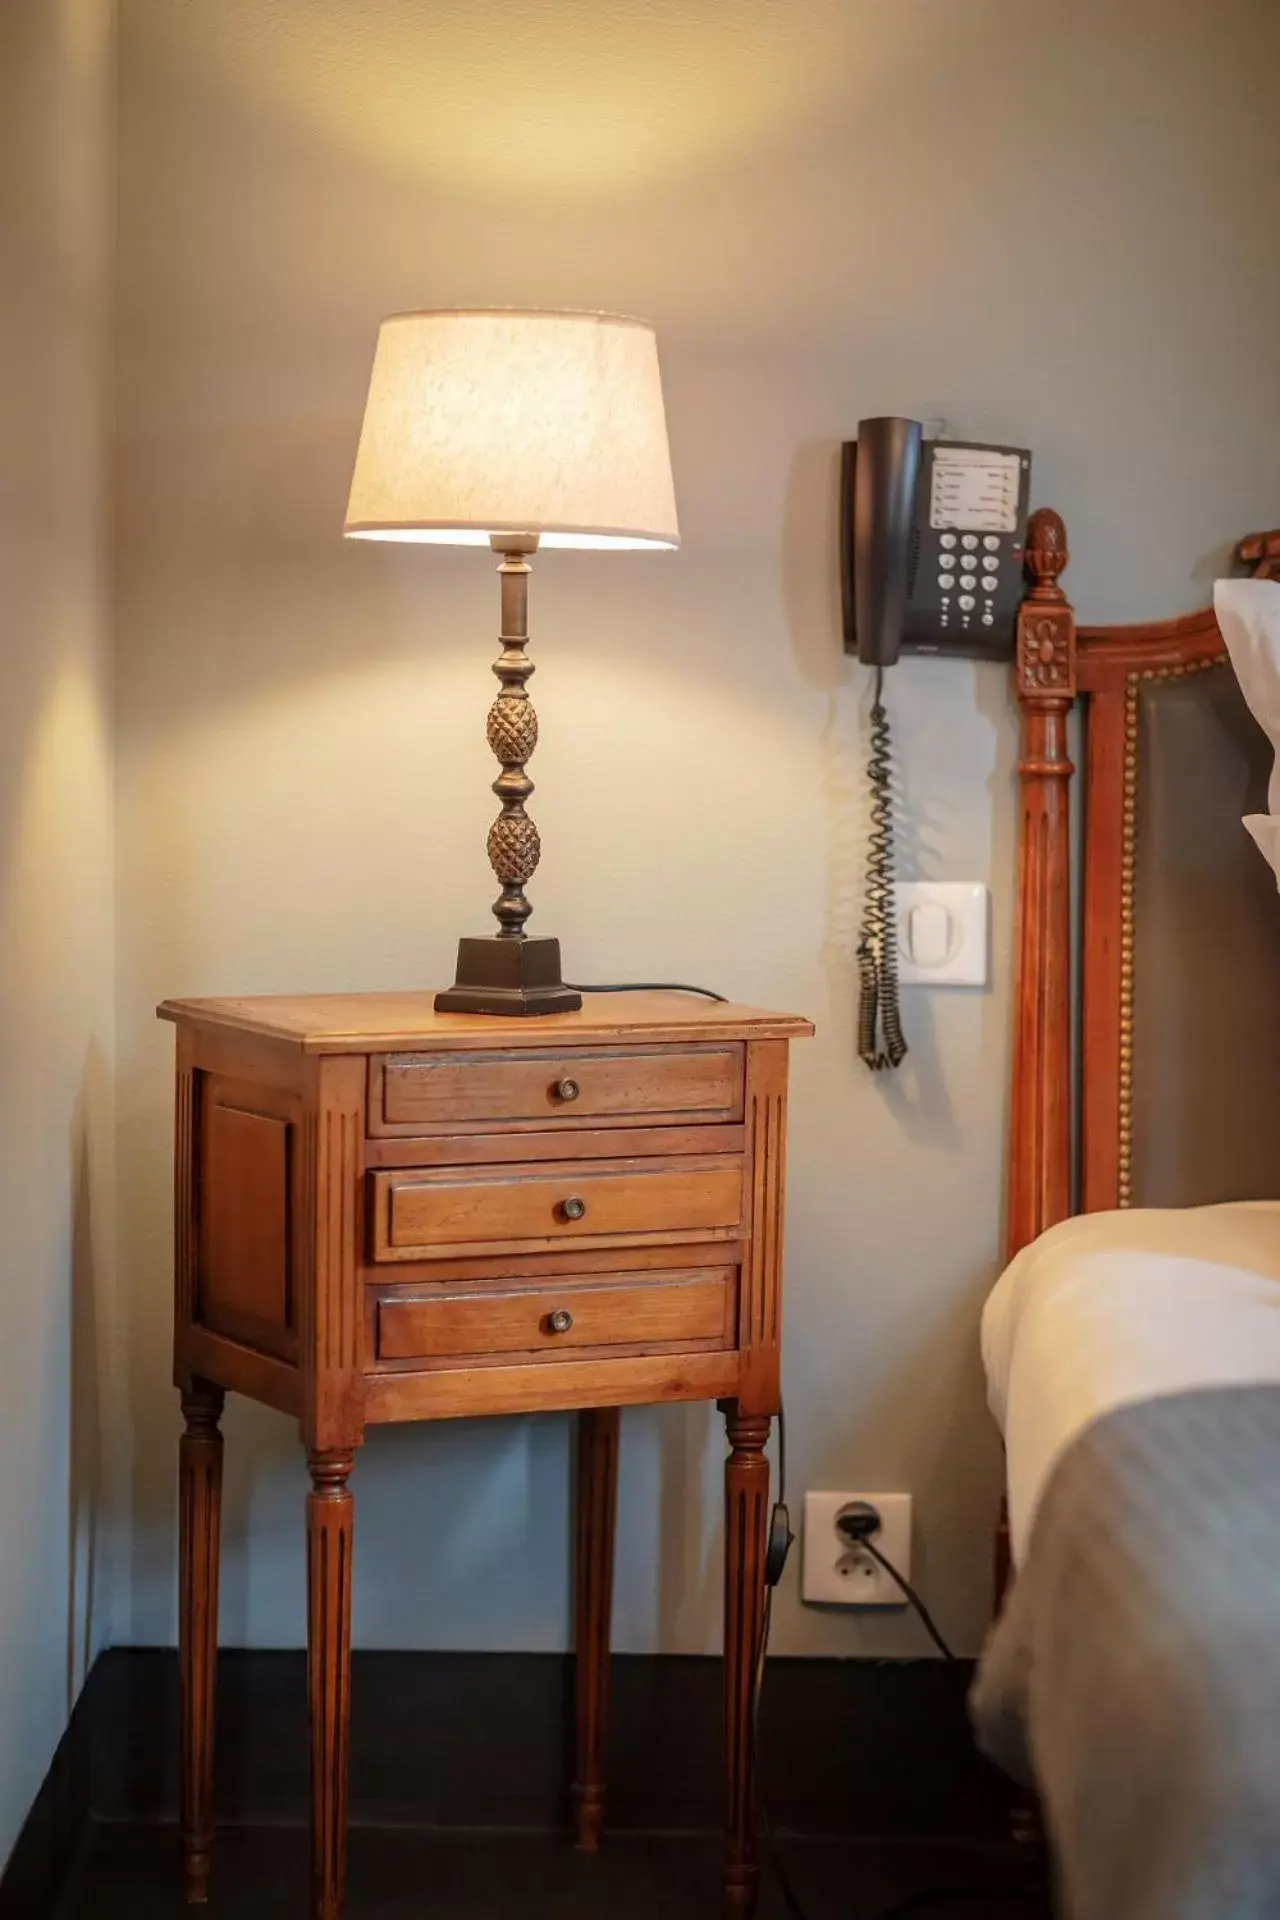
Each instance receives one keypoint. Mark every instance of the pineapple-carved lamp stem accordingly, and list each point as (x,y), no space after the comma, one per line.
(512,733)
(509,972)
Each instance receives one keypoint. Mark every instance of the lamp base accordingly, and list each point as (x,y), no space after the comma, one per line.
(506,976)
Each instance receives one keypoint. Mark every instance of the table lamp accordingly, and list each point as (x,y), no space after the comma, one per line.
(514,430)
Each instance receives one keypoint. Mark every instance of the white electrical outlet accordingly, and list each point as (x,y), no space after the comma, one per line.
(835,1573)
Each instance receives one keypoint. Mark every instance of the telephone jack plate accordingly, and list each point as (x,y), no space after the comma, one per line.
(942,933)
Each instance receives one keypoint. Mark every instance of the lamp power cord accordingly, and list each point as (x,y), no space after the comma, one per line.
(646,986)
(858,1523)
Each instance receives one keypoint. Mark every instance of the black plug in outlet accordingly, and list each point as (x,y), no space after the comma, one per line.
(858,1521)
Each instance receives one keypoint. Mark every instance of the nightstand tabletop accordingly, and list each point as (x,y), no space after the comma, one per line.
(359,1022)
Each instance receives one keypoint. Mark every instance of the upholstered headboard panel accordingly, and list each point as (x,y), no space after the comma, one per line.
(1178,918)
(1204,1067)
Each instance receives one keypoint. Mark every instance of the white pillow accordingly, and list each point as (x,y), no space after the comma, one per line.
(1249,615)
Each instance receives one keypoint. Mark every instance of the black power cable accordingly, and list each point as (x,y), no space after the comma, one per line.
(646,986)
(857,1523)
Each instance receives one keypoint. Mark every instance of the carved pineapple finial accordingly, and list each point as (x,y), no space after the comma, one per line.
(1047,553)
(1046,641)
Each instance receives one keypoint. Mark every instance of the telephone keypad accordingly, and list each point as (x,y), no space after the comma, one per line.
(968,562)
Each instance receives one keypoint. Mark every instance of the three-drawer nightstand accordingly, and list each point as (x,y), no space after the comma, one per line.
(384,1213)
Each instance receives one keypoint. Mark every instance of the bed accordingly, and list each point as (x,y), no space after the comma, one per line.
(1133,1344)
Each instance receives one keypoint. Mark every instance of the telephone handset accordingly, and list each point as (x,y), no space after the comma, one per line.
(933,534)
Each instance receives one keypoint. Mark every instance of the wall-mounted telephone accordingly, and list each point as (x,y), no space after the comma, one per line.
(932,541)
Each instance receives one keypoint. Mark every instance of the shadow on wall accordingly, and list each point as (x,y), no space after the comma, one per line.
(88,1351)
(691,1564)
(995,698)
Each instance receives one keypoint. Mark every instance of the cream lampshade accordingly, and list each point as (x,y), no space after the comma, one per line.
(512,430)
(481,423)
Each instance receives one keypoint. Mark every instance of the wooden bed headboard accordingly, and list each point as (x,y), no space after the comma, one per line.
(1177,944)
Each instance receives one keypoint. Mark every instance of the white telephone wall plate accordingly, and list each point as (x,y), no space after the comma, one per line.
(942,933)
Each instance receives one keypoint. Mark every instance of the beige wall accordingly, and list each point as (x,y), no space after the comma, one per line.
(55,869)
(1045,223)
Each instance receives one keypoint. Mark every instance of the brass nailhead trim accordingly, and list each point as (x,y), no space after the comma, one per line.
(1124,1157)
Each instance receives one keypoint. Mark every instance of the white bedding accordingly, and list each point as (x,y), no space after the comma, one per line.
(1113,1308)
(1249,620)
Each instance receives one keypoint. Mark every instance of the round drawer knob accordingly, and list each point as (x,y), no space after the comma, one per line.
(561,1320)
(567,1089)
(573,1208)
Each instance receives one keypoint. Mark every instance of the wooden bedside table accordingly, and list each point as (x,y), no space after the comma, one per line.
(384,1213)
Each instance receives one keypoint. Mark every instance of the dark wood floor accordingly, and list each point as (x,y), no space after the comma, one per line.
(401,1875)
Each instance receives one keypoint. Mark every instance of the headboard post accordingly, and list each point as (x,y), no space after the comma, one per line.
(1039,1183)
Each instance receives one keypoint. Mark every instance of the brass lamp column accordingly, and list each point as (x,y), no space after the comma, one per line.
(512,973)
(516,430)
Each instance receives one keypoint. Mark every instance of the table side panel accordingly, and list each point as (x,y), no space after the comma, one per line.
(248,1216)
(237,1216)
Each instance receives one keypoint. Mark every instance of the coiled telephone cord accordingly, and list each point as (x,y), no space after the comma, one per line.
(880,1041)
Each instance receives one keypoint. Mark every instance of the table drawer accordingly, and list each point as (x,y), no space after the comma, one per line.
(653,1310)
(453,1092)
(422,1214)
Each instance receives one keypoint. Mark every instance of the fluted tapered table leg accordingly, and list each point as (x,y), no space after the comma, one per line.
(746,1491)
(330,1521)
(596,1508)
(199,1523)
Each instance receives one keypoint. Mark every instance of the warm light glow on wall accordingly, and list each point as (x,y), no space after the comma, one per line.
(589,96)
(56,809)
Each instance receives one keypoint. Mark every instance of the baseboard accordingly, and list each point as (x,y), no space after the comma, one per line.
(453,1740)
